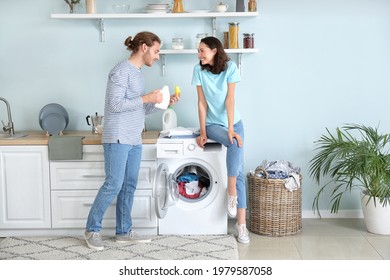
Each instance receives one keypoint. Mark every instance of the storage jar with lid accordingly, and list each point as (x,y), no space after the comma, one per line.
(248,40)
(233,35)
(177,43)
(199,37)
(252,6)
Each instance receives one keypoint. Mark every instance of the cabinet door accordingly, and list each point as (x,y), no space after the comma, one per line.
(71,208)
(80,175)
(24,187)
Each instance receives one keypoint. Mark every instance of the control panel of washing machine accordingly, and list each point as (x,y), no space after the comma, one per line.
(209,147)
(176,148)
(191,147)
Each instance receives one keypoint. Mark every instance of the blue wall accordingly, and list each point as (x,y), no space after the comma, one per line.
(321,63)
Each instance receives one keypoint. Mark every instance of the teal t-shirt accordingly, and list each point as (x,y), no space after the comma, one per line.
(215,88)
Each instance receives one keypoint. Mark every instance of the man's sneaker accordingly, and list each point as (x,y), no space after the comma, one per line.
(232,205)
(243,234)
(132,236)
(94,240)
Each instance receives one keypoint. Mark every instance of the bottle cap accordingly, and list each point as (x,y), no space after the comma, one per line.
(177,91)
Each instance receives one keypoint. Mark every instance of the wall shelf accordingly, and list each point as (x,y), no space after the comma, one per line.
(163,52)
(154,15)
(192,51)
(101,17)
(239,53)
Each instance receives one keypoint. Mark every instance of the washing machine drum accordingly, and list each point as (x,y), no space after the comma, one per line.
(167,190)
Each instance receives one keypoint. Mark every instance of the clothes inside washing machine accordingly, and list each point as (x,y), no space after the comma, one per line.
(193,182)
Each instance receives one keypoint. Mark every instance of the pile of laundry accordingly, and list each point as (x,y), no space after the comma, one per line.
(281,169)
(190,186)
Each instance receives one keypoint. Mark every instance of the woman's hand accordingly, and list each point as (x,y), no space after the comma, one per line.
(232,134)
(201,140)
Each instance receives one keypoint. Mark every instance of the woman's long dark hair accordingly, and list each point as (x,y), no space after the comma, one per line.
(220,58)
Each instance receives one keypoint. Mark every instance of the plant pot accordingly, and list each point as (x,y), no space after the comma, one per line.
(376,216)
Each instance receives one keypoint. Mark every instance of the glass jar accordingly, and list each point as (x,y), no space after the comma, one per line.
(248,40)
(178,6)
(225,40)
(199,37)
(177,43)
(252,6)
(233,35)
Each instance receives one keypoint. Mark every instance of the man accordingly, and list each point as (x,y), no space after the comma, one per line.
(126,105)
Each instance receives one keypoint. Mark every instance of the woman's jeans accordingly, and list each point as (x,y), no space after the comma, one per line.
(122,163)
(234,156)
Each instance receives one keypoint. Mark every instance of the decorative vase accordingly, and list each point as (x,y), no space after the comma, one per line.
(90,6)
(72,5)
(240,6)
(376,216)
(72,8)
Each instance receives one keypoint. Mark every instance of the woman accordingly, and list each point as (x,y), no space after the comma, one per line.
(126,105)
(215,78)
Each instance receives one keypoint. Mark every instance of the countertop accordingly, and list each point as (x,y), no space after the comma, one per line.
(40,138)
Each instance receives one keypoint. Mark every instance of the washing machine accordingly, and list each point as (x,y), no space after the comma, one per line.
(201,208)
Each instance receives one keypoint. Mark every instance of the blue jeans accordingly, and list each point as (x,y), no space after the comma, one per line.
(121,163)
(234,156)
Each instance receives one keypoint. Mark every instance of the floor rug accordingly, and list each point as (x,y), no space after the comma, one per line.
(166,247)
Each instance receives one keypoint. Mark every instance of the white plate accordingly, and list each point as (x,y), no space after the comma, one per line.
(157,11)
(157,6)
(154,8)
(198,11)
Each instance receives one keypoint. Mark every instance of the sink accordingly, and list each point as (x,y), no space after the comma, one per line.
(15,136)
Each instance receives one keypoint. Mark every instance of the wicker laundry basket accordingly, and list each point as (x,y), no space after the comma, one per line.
(273,209)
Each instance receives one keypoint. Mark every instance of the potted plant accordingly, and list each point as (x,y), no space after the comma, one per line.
(72,5)
(355,156)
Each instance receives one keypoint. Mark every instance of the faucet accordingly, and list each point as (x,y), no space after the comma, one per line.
(10,126)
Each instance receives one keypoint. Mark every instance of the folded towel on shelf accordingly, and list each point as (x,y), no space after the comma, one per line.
(66,147)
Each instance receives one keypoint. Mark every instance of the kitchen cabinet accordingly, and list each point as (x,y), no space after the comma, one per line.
(24,187)
(151,16)
(43,197)
(74,185)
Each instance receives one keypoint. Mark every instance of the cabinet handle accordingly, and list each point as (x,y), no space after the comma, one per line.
(89,204)
(93,176)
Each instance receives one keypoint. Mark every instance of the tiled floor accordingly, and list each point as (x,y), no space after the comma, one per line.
(320,239)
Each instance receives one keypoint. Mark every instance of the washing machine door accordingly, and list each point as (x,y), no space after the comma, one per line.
(166,190)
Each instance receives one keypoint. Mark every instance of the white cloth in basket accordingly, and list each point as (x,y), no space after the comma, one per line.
(283,167)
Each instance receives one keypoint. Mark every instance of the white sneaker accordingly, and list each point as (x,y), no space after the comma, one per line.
(243,233)
(232,205)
